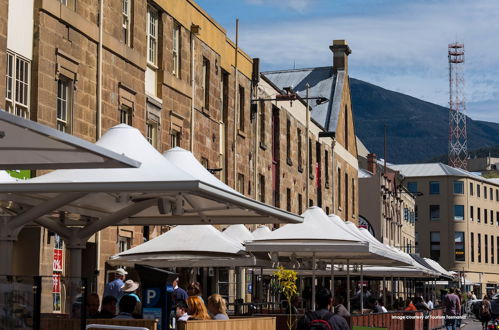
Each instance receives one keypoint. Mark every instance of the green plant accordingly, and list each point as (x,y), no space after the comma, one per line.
(286,280)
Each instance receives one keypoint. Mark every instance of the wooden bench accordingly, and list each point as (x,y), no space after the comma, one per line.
(74,324)
(260,323)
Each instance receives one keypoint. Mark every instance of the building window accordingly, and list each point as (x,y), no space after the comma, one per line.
(486,241)
(491,194)
(347,196)
(471,188)
(346,127)
(497,220)
(412,187)
(471,213)
(485,215)
(492,217)
(477,190)
(124,243)
(175,137)
(459,246)
(484,192)
(472,246)
(416,216)
(127,18)
(434,187)
(479,250)
(152,133)
(497,195)
(176,50)
(242,105)
(435,245)
(497,250)
(125,115)
(288,141)
(71,4)
(458,187)
(459,212)
(288,200)
(206,84)
(406,213)
(64,104)
(262,123)
(300,204)
(434,212)
(416,243)
(152,36)
(261,190)
(300,156)
(205,162)
(326,168)
(310,159)
(492,251)
(310,203)
(240,183)
(338,197)
(17,89)
(478,214)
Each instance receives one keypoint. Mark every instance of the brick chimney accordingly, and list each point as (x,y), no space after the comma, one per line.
(371,163)
(340,51)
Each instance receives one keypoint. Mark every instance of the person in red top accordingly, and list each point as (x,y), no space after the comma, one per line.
(410,306)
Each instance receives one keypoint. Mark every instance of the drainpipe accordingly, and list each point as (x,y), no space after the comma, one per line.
(193,93)
(99,125)
(235,104)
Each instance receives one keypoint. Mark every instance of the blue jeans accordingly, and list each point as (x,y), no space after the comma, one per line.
(450,324)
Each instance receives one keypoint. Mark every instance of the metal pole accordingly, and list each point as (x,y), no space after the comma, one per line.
(393,291)
(384,291)
(313,281)
(307,176)
(405,288)
(332,278)
(361,288)
(348,285)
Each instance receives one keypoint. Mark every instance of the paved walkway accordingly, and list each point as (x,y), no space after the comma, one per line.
(472,324)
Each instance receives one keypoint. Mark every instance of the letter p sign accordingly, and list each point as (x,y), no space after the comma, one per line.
(152,296)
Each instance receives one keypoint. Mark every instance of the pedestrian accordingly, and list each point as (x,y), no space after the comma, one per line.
(322,318)
(128,289)
(93,303)
(421,305)
(485,312)
(127,306)
(429,302)
(217,307)
(194,289)
(113,288)
(452,306)
(339,308)
(178,292)
(410,306)
(181,311)
(108,308)
(383,308)
(196,309)
(375,306)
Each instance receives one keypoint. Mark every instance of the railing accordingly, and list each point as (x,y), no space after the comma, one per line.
(74,324)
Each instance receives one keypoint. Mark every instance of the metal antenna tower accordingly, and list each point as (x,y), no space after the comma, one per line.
(458,139)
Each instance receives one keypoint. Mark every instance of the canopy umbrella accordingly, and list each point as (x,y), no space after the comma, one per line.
(187,246)
(28,145)
(320,238)
(439,268)
(239,233)
(156,193)
(261,231)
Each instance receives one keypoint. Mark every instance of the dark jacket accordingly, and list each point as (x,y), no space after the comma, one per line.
(335,321)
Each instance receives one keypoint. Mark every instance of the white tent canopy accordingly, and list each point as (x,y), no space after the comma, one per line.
(156,193)
(28,145)
(239,233)
(439,267)
(261,231)
(187,246)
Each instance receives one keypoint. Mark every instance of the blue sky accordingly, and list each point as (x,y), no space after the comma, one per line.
(397,44)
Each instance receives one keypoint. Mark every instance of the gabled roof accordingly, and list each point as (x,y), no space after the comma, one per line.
(437,169)
(323,82)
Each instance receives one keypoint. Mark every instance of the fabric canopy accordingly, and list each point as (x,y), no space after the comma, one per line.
(28,145)
(188,246)
(319,236)
(261,231)
(239,233)
(156,193)
(439,268)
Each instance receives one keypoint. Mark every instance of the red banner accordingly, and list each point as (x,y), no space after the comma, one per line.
(57,263)
(56,283)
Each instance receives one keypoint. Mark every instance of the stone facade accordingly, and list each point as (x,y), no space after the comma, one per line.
(4,5)
(217,124)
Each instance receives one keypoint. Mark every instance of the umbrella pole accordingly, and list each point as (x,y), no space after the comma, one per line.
(313,281)
(405,288)
(332,278)
(384,291)
(348,285)
(393,291)
(217,280)
(301,290)
(361,288)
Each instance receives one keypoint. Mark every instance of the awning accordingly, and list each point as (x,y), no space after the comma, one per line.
(188,246)
(261,231)
(319,237)
(28,145)
(239,233)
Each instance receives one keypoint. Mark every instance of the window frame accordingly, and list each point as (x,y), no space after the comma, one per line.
(435,245)
(462,246)
(18,85)
(65,123)
(458,184)
(430,210)
(412,184)
(152,36)
(456,217)
(176,44)
(126,24)
(433,184)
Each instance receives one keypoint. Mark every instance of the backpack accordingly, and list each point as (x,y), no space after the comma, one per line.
(318,323)
(484,311)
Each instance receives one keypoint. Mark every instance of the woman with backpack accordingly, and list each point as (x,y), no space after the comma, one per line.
(485,314)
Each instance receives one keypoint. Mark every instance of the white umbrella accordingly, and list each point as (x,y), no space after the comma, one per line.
(261,231)
(239,233)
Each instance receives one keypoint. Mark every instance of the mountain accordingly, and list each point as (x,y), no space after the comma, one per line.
(477,153)
(416,130)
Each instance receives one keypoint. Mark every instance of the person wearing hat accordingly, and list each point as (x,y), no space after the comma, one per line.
(113,288)
(128,289)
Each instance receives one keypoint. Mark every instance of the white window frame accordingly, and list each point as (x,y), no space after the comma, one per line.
(152,132)
(125,114)
(175,138)
(69,3)
(152,36)
(18,78)
(176,50)
(126,21)
(64,104)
